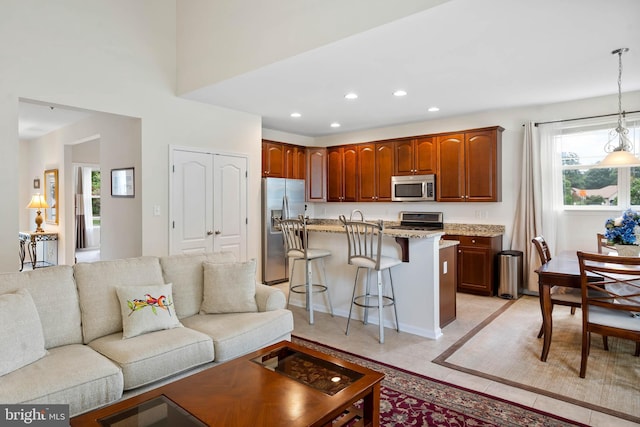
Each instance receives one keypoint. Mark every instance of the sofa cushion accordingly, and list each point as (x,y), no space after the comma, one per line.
(229,287)
(21,332)
(97,282)
(71,374)
(186,274)
(55,295)
(235,334)
(151,357)
(146,309)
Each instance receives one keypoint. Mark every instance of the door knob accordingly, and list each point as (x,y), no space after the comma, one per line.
(209,233)
(218,232)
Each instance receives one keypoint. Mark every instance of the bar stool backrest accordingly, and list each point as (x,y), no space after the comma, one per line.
(294,233)
(365,242)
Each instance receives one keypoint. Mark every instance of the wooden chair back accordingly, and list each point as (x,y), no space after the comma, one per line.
(603,244)
(542,248)
(610,288)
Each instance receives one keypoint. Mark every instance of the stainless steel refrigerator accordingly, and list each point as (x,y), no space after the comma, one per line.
(281,199)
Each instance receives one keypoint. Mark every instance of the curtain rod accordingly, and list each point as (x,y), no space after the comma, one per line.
(583,118)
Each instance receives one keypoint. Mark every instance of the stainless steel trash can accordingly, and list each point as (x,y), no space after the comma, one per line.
(510,283)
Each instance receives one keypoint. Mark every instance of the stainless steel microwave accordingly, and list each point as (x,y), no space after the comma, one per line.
(413,188)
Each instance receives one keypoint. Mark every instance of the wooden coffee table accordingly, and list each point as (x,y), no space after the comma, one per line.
(281,385)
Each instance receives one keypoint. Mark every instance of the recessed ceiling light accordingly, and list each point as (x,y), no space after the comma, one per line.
(400,93)
(351,95)
(296,115)
(335,125)
(433,109)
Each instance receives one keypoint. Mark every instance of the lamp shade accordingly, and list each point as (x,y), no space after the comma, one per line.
(37,202)
(617,159)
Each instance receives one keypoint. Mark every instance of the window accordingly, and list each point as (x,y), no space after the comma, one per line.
(582,147)
(95,197)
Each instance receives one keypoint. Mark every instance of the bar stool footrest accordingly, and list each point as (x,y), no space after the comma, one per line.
(387,301)
(316,288)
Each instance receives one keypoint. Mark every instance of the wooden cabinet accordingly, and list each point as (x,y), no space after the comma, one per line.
(273,164)
(477,263)
(448,285)
(469,166)
(415,156)
(280,160)
(294,161)
(341,173)
(374,171)
(316,176)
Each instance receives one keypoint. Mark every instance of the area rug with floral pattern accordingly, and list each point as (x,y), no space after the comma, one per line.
(410,399)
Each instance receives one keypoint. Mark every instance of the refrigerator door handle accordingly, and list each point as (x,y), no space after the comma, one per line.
(285,207)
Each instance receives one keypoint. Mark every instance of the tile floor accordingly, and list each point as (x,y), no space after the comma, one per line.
(415,353)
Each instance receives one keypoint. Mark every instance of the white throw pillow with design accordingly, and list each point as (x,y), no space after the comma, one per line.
(146,309)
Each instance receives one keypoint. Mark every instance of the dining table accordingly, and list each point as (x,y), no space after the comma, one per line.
(561,270)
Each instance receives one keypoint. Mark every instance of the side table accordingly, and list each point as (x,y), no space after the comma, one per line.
(28,240)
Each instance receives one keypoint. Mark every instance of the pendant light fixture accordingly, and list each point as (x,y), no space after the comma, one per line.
(619,147)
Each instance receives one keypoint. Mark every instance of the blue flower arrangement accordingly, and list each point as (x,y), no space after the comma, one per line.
(623,230)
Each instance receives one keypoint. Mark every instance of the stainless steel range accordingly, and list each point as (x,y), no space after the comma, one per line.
(420,221)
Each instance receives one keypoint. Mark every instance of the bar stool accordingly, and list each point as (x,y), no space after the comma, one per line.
(365,251)
(295,234)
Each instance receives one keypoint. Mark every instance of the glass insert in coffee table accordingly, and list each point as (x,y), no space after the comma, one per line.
(320,374)
(157,412)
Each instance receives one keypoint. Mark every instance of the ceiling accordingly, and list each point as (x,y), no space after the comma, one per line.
(463,56)
(36,119)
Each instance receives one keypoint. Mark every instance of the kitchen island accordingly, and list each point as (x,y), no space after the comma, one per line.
(416,281)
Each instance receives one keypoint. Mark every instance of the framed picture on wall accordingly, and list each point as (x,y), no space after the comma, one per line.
(122,182)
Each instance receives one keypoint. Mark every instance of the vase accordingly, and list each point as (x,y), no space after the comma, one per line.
(628,250)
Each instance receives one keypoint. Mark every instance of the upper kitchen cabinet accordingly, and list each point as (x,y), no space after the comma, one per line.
(415,156)
(469,166)
(341,173)
(273,164)
(375,168)
(316,174)
(280,160)
(294,161)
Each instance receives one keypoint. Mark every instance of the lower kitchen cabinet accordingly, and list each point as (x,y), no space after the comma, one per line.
(448,284)
(477,263)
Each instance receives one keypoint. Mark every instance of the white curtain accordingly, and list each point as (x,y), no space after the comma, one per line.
(540,199)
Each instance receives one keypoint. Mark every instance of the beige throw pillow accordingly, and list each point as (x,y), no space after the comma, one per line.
(21,331)
(146,309)
(229,287)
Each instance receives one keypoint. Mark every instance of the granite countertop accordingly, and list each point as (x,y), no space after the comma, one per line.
(481,230)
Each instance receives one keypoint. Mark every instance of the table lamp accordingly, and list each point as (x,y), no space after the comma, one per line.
(38,202)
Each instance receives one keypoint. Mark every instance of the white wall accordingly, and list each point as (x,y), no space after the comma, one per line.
(577,228)
(272,31)
(113,56)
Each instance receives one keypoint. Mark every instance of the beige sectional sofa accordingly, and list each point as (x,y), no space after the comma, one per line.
(88,363)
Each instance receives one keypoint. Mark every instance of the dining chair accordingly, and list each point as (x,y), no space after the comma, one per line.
(603,244)
(611,305)
(559,295)
(295,235)
(365,252)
